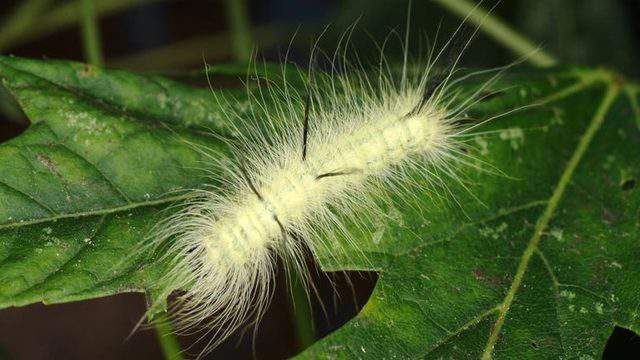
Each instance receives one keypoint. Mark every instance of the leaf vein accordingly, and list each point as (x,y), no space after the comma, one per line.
(609,97)
(556,294)
(98,228)
(96,212)
(95,167)
(28,196)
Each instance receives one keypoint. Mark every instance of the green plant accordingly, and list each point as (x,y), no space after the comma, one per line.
(544,265)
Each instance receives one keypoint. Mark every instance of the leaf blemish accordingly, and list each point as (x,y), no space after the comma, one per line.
(599,308)
(479,274)
(86,71)
(558,116)
(568,294)
(162,100)
(514,135)
(608,217)
(47,162)
(523,92)
(615,264)
(483,144)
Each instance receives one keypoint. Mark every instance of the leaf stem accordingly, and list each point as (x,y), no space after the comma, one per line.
(167,339)
(91,33)
(500,32)
(301,313)
(238,22)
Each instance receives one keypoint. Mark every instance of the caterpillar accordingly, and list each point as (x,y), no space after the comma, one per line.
(306,167)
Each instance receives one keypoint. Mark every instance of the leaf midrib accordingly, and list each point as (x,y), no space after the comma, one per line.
(103,211)
(611,94)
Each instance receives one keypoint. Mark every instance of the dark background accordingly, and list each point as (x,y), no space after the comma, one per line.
(173,36)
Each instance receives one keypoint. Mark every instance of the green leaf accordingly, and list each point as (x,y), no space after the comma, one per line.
(540,262)
(543,264)
(82,185)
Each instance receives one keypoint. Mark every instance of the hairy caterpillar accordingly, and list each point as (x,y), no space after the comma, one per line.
(305,165)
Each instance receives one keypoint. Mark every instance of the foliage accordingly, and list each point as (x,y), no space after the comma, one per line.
(541,261)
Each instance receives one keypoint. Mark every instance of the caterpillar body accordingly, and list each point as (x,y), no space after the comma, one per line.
(325,157)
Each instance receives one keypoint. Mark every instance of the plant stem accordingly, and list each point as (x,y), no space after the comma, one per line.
(168,342)
(500,31)
(301,312)
(238,22)
(91,34)
(62,17)
(187,53)
(632,91)
(21,20)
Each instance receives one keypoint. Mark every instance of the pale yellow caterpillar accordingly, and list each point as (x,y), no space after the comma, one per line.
(306,167)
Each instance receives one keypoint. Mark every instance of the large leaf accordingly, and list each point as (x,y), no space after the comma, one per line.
(543,264)
(538,262)
(105,152)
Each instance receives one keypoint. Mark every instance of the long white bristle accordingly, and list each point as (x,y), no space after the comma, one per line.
(289,191)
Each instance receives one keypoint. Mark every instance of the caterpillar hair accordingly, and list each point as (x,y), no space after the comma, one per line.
(307,166)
